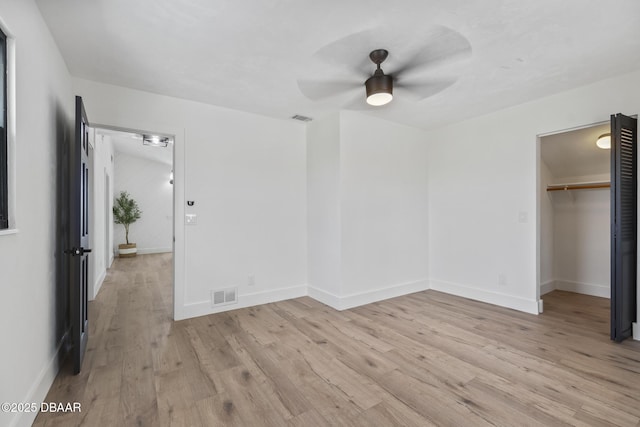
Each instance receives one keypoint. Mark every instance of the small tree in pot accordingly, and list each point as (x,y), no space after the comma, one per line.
(126,212)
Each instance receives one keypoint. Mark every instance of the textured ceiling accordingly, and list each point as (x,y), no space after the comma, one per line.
(250,55)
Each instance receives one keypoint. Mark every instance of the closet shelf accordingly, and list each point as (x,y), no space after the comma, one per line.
(579,186)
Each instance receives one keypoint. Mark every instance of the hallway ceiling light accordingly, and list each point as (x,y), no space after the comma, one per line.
(155,140)
(604,141)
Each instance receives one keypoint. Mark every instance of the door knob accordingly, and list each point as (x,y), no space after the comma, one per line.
(77,251)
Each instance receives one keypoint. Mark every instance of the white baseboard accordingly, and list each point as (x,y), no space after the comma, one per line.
(38,391)
(583,288)
(324,297)
(503,300)
(146,251)
(98,284)
(244,300)
(636,331)
(355,300)
(548,286)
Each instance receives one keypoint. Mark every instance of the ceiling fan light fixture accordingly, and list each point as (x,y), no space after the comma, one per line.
(604,141)
(379,89)
(155,140)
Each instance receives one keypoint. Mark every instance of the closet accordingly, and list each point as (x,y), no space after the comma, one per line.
(575,208)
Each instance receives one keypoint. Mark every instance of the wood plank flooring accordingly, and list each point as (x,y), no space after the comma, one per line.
(426,359)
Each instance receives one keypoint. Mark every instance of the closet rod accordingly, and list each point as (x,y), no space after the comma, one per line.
(581,186)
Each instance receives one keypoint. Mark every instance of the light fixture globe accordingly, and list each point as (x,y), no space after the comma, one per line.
(379,89)
(604,141)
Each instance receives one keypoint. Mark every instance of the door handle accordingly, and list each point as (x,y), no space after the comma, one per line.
(77,251)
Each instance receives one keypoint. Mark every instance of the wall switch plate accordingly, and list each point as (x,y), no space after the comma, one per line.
(523,217)
(191,219)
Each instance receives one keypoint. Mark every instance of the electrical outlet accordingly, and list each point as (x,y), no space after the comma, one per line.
(251,280)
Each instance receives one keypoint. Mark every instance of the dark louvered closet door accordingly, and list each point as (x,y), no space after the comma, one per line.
(623,225)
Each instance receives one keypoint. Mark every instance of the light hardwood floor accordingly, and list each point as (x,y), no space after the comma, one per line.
(419,360)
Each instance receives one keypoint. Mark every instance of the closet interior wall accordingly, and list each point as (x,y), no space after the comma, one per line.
(575,230)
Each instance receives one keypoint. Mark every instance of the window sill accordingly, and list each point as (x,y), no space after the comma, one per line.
(8,231)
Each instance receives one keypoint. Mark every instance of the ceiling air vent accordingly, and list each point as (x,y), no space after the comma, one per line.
(301,118)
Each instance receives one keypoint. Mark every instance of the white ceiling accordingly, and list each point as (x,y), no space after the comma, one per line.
(131,144)
(575,154)
(249,55)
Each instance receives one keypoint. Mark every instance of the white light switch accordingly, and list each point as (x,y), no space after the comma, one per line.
(523,217)
(191,219)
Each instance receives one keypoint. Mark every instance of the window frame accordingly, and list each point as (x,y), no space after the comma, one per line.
(4,159)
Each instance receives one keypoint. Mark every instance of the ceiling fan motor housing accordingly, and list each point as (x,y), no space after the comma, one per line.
(379,88)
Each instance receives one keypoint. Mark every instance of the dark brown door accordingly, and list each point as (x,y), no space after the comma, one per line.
(624,132)
(78,241)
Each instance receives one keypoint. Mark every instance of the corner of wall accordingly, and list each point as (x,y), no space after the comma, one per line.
(40,387)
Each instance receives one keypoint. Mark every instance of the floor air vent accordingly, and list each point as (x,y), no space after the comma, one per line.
(224,296)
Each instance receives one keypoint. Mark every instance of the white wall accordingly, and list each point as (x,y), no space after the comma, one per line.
(31,299)
(582,241)
(101,227)
(147,182)
(247,177)
(384,208)
(574,236)
(482,188)
(368,216)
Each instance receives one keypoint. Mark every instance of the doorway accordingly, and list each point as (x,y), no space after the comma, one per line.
(141,164)
(574,211)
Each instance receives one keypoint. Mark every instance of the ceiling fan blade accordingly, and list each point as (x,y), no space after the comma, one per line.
(358,103)
(351,52)
(424,89)
(317,90)
(443,45)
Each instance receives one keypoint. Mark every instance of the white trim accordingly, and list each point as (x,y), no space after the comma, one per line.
(98,284)
(144,251)
(636,331)
(9,231)
(204,308)
(503,300)
(154,250)
(583,288)
(361,298)
(540,306)
(40,387)
(548,286)
(324,297)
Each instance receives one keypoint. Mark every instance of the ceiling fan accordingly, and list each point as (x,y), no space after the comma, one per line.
(441,46)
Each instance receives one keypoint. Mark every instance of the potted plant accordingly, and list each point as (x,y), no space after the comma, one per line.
(126,212)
